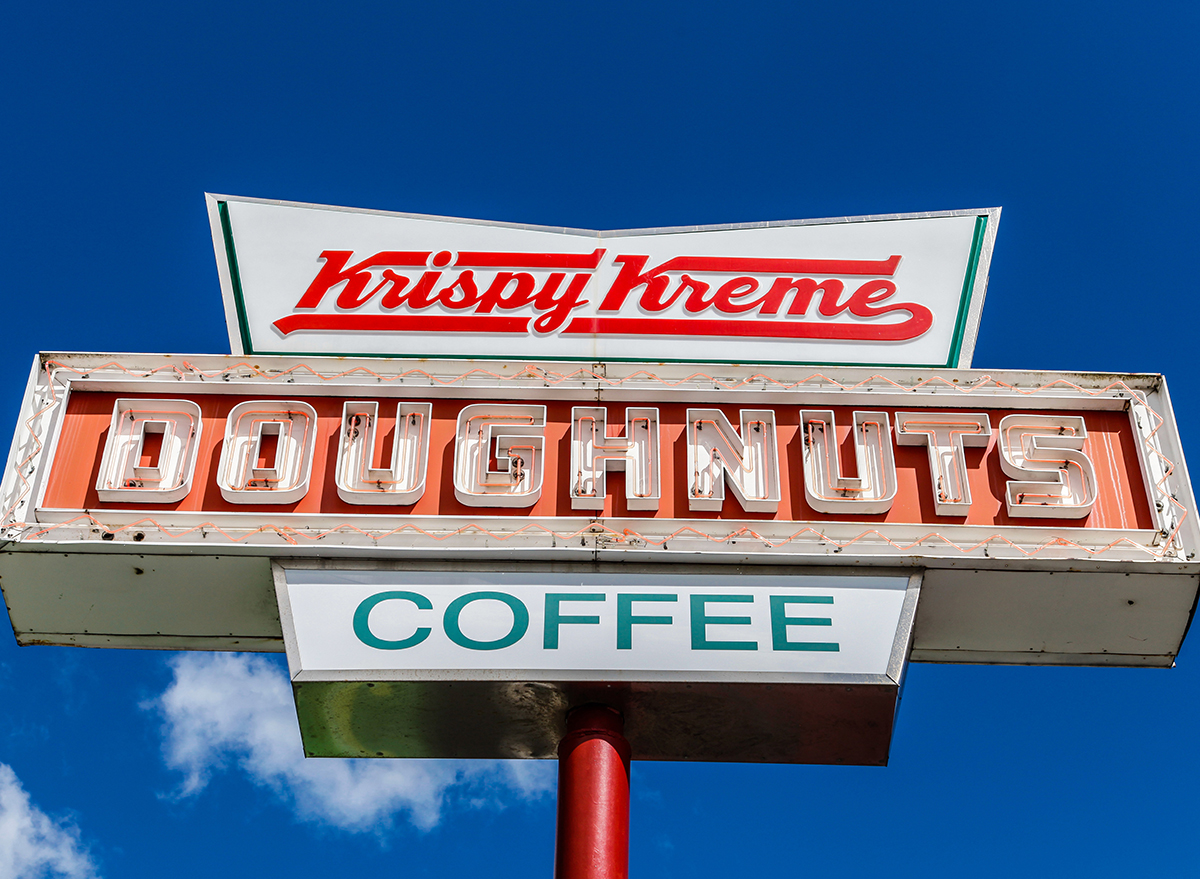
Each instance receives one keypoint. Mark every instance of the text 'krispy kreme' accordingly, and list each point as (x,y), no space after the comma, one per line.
(553,293)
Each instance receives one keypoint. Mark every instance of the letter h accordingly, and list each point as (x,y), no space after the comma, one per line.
(594,453)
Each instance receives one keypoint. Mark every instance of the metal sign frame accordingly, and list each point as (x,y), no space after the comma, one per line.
(1051,593)
(1174,536)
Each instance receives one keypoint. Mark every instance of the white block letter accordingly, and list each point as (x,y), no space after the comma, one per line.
(268,451)
(516,435)
(403,482)
(826,490)
(1059,481)
(716,454)
(594,453)
(945,434)
(150,455)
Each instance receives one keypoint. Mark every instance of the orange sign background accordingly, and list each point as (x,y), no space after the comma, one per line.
(1111,444)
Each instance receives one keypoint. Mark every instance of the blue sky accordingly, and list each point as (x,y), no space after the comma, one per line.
(1079,119)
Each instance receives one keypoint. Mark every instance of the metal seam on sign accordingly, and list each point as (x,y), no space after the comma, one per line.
(235,277)
(594,528)
(536,373)
(964,305)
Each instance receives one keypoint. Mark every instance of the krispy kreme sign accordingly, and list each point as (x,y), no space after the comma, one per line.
(304,278)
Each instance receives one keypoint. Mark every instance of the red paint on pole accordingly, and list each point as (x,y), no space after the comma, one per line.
(592,841)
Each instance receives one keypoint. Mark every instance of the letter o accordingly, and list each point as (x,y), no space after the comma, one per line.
(362,627)
(519,628)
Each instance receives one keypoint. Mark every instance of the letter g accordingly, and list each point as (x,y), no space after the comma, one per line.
(362,614)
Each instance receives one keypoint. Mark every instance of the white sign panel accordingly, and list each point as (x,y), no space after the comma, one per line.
(414,625)
(308,279)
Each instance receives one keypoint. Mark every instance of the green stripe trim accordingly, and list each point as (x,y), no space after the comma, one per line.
(964,303)
(235,277)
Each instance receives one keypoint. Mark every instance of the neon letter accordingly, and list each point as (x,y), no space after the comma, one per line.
(1044,451)
(403,482)
(594,453)
(150,455)
(945,434)
(826,490)
(750,463)
(516,434)
(267,454)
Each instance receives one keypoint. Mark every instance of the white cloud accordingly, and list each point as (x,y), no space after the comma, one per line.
(224,709)
(32,844)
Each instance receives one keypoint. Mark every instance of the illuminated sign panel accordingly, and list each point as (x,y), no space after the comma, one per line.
(785,464)
(305,279)
(372,652)
(408,624)
(457,457)
(155,490)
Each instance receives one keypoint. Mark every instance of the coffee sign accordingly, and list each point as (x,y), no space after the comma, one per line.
(415,623)
(418,662)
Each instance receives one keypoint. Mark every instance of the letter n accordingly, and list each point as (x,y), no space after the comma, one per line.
(717,454)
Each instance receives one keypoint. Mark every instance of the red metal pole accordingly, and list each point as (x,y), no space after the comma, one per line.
(592,840)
